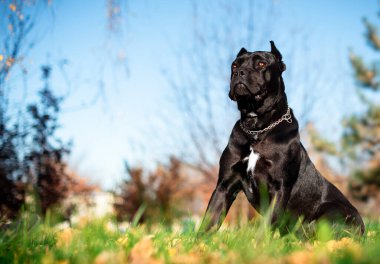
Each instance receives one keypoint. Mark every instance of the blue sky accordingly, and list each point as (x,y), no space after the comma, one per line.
(123,119)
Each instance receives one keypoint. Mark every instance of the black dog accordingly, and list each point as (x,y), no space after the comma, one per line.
(264,157)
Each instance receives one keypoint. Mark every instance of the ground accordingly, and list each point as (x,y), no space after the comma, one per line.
(105,241)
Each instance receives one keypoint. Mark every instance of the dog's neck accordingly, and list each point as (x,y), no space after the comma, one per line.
(256,121)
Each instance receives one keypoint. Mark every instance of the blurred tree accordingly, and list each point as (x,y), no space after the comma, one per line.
(46,165)
(12,193)
(31,156)
(361,139)
(114,15)
(157,196)
(15,27)
(131,196)
(16,23)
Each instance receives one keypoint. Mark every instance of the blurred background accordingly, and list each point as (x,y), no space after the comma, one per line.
(121,106)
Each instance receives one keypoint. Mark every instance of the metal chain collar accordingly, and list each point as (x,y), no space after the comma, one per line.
(286,117)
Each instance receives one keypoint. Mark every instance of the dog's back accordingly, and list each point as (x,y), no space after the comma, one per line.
(314,197)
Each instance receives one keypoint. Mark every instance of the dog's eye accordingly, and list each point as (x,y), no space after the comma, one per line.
(261,64)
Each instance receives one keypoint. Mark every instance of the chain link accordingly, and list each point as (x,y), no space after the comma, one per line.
(286,117)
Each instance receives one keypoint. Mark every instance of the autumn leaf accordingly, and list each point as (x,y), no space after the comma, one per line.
(110,257)
(344,243)
(64,237)
(300,257)
(12,7)
(143,252)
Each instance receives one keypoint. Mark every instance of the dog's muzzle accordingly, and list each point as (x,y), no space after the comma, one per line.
(241,90)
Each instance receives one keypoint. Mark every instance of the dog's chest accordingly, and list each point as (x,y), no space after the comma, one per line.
(253,158)
(251,161)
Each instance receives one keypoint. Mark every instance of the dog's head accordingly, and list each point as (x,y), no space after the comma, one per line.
(256,81)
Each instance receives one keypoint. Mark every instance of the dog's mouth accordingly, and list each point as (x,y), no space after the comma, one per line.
(242,91)
(241,86)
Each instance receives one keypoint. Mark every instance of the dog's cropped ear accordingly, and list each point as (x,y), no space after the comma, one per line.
(241,52)
(275,51)
(278,56)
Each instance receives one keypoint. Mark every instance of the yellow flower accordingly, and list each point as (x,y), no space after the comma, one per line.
(176,247)
(369,233)
(48,259)
(201,247)
(122,240)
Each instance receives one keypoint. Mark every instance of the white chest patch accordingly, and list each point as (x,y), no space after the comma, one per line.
(252,160)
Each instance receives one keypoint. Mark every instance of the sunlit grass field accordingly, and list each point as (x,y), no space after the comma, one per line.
(104,241)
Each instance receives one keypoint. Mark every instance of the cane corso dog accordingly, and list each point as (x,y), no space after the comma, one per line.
(264,157)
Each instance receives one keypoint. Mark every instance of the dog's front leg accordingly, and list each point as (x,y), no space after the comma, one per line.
(220,202)
(280,201)
(229,181)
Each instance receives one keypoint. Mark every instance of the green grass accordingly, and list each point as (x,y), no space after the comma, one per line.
(31,240)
